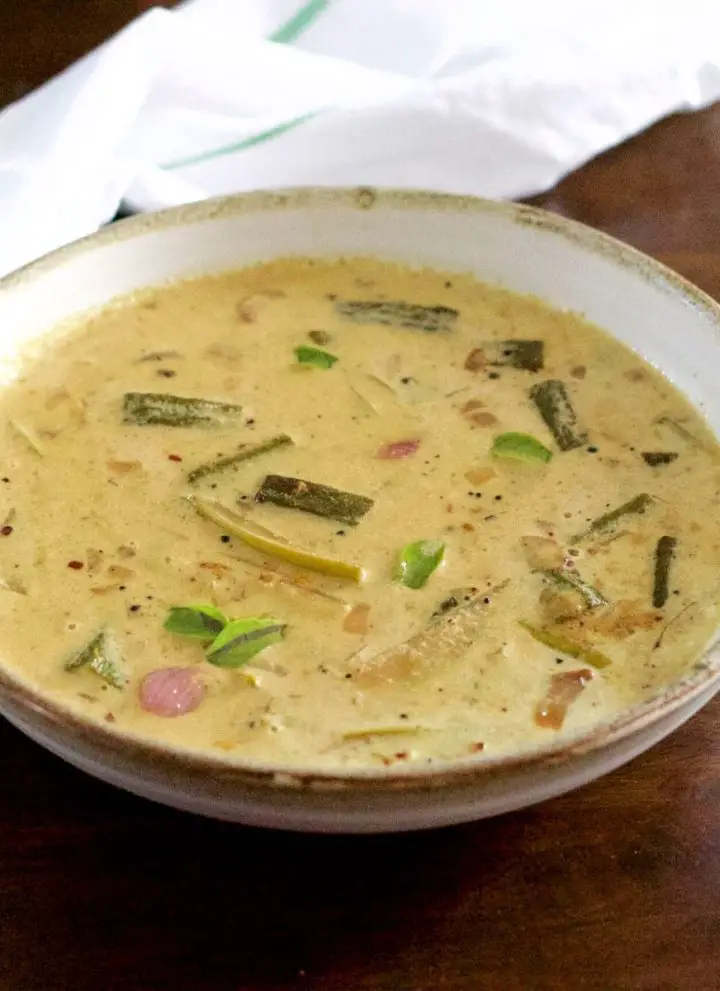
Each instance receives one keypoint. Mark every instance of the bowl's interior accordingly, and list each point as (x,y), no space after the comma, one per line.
(657,314)
(654,312)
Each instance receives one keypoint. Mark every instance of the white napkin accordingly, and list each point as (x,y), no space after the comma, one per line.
(493,98)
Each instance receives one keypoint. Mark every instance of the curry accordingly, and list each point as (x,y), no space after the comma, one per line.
(343,513)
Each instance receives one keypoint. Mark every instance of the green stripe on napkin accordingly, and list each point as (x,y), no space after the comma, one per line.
(256,139)
(299,22)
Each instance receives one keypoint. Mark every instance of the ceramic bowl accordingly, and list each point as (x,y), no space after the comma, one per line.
(655,312)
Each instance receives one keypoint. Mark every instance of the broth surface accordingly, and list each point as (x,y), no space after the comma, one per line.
(99,533)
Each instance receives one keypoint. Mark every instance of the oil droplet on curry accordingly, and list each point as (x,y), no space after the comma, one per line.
(349,514)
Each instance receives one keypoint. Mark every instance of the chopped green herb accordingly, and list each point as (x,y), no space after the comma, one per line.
(314,357)
(418,561)
(554,406)
(246,453)
(560,643)
(242,639)
(664,553)
(265,544)
(311,497)
(521,447)
(638,505)
(102,656)
(145,409)
(200,622)
(398,314)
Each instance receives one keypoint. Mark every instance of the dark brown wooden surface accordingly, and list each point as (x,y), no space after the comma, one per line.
(613,888)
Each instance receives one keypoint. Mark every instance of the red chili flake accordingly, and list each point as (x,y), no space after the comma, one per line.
(402,755)
(109,718)
(174,457)
(6,530)
(397,449)
(476,748)
(76,565)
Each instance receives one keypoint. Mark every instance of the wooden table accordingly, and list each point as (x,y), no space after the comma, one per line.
(614,888)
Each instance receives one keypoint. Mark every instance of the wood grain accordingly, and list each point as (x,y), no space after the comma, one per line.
(613,888)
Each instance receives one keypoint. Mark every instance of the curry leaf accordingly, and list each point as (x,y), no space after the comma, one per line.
(521,447)
(242,639)
(418,561)
(200,622)
(314,356)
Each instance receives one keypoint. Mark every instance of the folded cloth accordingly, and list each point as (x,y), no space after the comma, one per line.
(463,96)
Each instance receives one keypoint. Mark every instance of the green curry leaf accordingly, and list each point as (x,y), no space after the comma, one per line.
(200,622)
(315,357)
(242,639)
(418,561)
(521,447)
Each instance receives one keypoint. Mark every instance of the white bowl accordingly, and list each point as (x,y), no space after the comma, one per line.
(654,311)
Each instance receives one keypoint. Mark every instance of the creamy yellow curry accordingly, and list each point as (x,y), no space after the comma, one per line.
(346,513)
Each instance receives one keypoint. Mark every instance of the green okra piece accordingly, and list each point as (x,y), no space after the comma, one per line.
(654,458)
(145,409)
(554,405)
(102,656)
(398,314)
(664,554)
(311,497)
